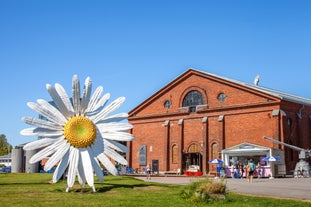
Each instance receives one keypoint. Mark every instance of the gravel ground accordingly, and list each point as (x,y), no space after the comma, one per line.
(291,188)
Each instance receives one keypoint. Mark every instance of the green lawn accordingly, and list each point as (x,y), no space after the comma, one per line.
(18,189)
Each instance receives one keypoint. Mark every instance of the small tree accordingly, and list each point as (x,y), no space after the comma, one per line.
(5,147)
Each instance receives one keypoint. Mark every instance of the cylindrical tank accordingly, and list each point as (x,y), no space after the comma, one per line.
(30,168)
(17,160)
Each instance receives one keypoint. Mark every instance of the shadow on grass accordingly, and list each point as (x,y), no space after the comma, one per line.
(109,187)
(106,187)
(26,184)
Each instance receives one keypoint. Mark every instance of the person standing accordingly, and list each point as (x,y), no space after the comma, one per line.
(232,170)
(241,167)
(259,171)
(237,169)
(148,171)
(251,168)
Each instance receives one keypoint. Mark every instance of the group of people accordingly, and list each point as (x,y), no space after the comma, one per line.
(238,170)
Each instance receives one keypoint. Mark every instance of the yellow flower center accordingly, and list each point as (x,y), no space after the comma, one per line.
(80,131)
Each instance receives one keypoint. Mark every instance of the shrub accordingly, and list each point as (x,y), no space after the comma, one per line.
(205,190)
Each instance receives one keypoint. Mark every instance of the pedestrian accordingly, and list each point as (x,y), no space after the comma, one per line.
(259,171)
(237,169)
(241,166)
(251,168)
(148,171)
(232,170)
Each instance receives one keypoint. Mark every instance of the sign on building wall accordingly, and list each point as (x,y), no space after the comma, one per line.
(142,155)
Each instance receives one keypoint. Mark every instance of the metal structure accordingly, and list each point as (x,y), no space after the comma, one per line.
(302,168)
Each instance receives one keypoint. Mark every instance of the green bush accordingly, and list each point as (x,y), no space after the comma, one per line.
(206,190)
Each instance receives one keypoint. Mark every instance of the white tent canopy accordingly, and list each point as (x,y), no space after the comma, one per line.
(244,149)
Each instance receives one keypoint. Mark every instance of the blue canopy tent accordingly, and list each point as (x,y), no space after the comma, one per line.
(271,159)
(218,162)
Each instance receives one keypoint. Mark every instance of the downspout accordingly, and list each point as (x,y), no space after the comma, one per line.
(167,146)
(181,146)
(281,127)
(299,115)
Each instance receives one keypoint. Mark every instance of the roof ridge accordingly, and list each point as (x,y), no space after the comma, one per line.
(280,94)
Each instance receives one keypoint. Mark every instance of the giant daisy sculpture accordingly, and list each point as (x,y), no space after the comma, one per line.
(79,133)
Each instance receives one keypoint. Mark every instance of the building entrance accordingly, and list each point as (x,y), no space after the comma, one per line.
(192,161)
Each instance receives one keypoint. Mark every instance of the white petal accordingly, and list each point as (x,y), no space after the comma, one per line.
(44,112)
(114,118)
(62,166)
(41,132)
(102,101)
(59,99)
(112,127)
(73,165)
(65,99)
(96,166)
(87,166)
(95,97)
(86,94)
(39,143)
(76,94)
(42,123)
(107,163)
(81,175)
(53,110)
(107,110)
(115,156)
(56,157)
(98,146)
(116,145)
(119,136)
(46,151)
(99,106)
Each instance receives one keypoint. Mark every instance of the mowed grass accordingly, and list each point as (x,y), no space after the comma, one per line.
(19,189)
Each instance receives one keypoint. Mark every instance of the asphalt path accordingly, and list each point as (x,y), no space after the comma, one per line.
(289,188)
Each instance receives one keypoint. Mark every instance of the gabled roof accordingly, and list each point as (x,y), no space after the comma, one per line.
(276,93)
(245,147)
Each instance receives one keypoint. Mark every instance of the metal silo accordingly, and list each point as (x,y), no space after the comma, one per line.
(17,160)
(30,168)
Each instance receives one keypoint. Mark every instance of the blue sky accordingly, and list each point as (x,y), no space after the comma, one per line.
(134,48)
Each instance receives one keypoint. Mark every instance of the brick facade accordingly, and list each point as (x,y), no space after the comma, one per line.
(247,114)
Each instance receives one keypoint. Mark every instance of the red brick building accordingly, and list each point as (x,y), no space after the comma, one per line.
(201,116)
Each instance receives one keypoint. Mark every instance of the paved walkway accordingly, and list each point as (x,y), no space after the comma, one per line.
(292,188)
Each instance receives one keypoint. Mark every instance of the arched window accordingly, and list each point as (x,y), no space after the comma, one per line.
(289,122)
(215,151)
(192,99)
(174,154)
(193,148)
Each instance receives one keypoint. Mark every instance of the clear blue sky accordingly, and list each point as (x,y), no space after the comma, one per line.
(134,48)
